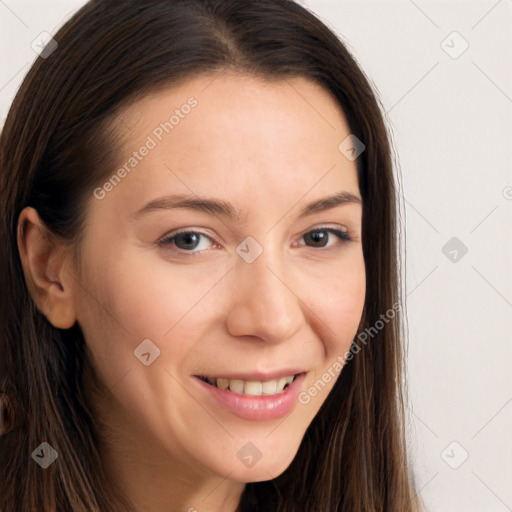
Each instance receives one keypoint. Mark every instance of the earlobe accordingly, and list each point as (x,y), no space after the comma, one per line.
(43,260)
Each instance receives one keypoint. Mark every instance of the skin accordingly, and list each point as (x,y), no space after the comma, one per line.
(269,148)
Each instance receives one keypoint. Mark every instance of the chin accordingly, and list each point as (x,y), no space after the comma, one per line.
(265,468)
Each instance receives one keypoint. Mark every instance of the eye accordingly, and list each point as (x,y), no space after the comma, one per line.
(320,236)
(190,241)
(184,240)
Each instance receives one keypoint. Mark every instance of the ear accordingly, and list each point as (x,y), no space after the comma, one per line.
(48,280)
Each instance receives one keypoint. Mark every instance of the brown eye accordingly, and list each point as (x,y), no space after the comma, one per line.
(320,237)
(185,240)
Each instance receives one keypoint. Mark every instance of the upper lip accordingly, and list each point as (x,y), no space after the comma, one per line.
(258,376)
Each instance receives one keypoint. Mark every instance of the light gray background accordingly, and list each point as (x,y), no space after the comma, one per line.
(450,116)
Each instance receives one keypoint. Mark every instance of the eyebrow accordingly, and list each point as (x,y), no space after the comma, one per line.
(225,209)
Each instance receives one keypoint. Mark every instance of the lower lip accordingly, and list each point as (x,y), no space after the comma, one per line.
(256,408)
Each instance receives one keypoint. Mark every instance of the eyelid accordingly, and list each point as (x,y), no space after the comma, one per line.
(337,227)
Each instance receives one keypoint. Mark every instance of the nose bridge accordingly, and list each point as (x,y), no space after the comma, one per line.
(264,304)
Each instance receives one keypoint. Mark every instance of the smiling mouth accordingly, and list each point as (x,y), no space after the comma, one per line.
(250,387)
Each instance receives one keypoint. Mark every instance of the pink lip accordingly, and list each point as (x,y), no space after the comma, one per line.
(255,408)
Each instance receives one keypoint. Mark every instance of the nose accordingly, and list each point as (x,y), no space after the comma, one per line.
(264,301)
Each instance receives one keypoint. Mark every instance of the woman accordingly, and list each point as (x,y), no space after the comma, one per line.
(201,271)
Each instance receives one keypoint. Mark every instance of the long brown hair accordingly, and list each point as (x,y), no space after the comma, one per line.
(57,145)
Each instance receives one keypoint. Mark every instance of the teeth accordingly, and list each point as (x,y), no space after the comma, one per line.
(269,387)
(252,387)
(236,385)
(222,383)
(281,383)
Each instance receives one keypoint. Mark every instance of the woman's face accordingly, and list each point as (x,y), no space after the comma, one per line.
(248,297)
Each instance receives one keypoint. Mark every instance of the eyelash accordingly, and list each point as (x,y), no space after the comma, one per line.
(170,238)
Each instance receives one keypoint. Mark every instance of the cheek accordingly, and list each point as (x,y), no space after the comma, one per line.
(147,298)
(170,306)
(342,305)
(138,298)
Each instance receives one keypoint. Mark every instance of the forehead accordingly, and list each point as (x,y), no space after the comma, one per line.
(224,134)
(220,110)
